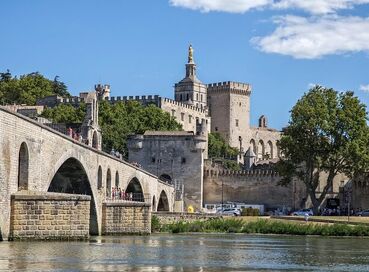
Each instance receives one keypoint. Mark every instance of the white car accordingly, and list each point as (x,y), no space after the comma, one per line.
(230,211)
(302,212)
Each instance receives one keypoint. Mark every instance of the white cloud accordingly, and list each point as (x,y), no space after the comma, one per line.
(233,6)
(309,38)
(241,6)
(364,88)
(318,6)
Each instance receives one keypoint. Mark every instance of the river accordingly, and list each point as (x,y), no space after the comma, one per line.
(189,252)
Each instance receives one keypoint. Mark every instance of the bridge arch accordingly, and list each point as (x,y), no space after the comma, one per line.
(117,179)
(108,183)
(99,178)
(166,178)
(134,189)
(153,207)
(163,204)
(72,178)
(23,167)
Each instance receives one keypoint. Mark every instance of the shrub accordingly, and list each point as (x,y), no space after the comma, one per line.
(155,224)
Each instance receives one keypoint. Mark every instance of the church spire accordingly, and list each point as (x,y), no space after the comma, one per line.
(190,66)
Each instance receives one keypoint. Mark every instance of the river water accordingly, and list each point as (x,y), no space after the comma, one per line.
(189,252)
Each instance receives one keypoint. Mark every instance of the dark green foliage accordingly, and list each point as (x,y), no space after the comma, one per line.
(28,88)
(250,212)
(155,224)
(218,148)
(266,227)
(65,113)
(119,120)
(327,133)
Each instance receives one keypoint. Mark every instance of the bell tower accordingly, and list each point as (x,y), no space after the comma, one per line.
(191,90)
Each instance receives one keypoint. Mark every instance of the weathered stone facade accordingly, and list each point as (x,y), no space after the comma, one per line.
(47,216)
(174,156)
(252,187)
(126,218)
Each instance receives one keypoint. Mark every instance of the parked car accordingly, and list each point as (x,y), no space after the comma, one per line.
(231,211)
(302,212)
(363,213)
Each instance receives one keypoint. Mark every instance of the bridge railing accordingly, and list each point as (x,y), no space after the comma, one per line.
(128,197)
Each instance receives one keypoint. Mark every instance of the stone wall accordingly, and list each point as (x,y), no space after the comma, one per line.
(126,218)
(46,216)
(168,218)
(252,187)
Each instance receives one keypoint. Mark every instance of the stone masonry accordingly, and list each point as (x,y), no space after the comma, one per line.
(126,218)
(48,216)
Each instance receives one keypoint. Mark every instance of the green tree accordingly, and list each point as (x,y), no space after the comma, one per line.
(218,148)
(117,121)
(28,88)
(65,113)
(327,133)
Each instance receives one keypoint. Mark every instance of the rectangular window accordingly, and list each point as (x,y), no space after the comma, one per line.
(190,119)
(183,160)
(182,116)
(153,160)
(173,112)
(236,122)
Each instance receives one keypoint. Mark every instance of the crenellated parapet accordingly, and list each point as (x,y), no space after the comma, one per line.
(230,86)
(241,173)
(143,99)
(183,105)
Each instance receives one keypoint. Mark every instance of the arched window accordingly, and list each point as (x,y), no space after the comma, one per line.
(95,140)
(116,179)
(99,178)
(261,150)
(253,146)
(23,165)
(108,183)
(270,150)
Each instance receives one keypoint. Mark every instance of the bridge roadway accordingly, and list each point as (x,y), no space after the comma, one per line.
(37,158)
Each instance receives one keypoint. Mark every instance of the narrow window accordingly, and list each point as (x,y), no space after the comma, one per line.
(182,116)
(190,119)
(236,122)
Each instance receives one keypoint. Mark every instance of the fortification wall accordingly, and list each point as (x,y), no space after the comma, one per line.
(126,218)
(46,216)
(251,187)
(185,114)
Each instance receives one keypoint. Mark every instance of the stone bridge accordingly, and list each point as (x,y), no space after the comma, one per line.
(34,157)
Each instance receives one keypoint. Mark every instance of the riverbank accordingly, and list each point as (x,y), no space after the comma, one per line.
(262,226)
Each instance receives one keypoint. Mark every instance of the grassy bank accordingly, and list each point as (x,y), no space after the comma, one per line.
(263,226)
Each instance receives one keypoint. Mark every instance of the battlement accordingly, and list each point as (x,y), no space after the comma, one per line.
(70,100)
(145,99)
(238,87)
(180,104)
(241,173)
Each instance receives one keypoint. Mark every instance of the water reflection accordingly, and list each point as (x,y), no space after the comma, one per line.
(189,253)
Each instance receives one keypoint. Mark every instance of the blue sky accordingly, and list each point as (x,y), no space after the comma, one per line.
(140,46)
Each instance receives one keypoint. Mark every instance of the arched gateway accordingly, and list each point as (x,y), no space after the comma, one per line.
(71,178)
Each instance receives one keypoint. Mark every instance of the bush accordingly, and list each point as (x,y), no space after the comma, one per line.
(250,212)
(266,227)
(155,224)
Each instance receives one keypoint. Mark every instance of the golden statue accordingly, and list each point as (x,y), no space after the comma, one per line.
(190,54)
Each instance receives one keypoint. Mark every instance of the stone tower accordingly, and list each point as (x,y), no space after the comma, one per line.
(90,128)
(102,91)
(191,90)
(229,108)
